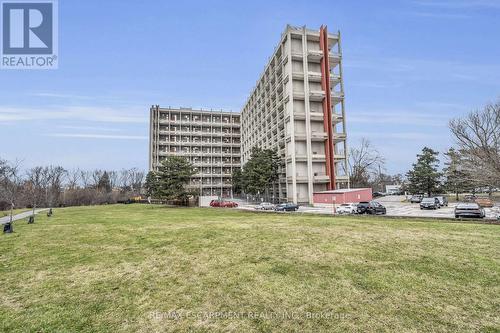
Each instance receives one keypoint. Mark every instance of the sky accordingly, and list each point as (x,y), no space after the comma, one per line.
(409,67)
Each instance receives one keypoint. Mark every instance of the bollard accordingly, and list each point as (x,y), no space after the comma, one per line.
(7,228)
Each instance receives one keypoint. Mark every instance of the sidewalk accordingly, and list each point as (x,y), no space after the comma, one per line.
(21,216)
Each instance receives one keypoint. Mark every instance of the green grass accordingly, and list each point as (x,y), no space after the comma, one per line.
(136,268)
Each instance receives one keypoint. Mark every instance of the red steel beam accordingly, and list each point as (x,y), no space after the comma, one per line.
(327,107)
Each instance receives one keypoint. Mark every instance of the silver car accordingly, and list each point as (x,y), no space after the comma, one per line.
(265,206)
(469,209)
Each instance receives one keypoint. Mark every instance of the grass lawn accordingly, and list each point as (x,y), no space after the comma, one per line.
(137,268)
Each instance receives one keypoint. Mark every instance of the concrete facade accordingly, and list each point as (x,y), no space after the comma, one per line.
(297,107)
(210,140)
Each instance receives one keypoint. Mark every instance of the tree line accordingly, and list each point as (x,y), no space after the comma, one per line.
(54,186)
(473,163)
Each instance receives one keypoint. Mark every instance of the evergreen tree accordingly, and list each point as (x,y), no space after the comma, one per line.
(238,184)
(425,177)
(457,177)
(151,184)
(104,183)
(260,172)
(172,177)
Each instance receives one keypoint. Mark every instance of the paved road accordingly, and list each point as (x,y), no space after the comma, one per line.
(21,216)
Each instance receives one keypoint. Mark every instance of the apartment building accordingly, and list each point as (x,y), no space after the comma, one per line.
(209,139)
(297,107)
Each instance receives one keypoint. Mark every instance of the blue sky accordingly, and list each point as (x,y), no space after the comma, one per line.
(409,67)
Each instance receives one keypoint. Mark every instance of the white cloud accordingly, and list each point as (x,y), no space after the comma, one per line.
(459,4)
(416,118)
(441,15)
(387,134)
(402,70)
(91,128)
(98,136)
(85,113)
(62,96)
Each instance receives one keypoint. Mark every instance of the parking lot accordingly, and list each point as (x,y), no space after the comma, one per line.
(396,206)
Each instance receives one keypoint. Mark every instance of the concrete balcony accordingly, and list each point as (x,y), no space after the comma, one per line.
(314,55)
(298,179)
(321,178)
(334,79)
(337,118)
(316,95)
(334,58)
(337,96)
(339,137)
(316,116)
(298,75)
(298,95)
(314,76)
(299,115)
(338,157)
(319,136)
(318,158)
(342,179)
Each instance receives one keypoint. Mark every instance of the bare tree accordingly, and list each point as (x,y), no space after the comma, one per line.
(478,138)
(364,163)
(73,178)
(86,178)
(113,178)
(125,180)
(55,177)
(10,183)
(137,179)
(34,185)
(96,176)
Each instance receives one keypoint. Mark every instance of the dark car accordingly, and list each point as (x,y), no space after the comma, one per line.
(430,203)
(372,208)
(417,198)
(362,206)
(378,194)
(288,207)
(469,209)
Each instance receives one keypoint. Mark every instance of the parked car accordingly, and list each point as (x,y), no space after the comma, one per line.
(375,208)
(470,198)
(430,203)
(469,209)
(362,206)
(265,206)
(372,207)
(443,201)
(347,208)
(378,194)
(288,207)
(484,202)
(417,198)
(223,204)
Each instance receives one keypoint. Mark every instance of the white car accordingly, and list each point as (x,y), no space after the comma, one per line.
(347,208)
(265,206)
